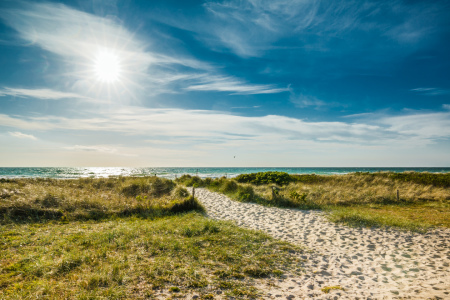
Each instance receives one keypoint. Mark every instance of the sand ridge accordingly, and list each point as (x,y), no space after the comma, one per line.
(369,263)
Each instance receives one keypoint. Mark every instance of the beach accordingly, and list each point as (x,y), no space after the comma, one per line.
(361,263)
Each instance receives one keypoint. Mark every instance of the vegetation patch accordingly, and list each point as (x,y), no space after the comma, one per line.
(43,200)
(279,178)
(327,289)
(132,257)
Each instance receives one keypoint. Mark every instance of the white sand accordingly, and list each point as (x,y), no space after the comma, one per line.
(367,263)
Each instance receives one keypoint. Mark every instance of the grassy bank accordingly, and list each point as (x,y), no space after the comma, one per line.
(40,200)
(361,199)
(123,238)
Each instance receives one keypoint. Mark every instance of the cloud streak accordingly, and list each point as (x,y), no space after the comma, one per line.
(251,27)
(235,86)
(44,94)
(97,148)
(21,135)
(429,91)
(185,125)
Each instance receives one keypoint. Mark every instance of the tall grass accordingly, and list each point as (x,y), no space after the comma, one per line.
(37,200)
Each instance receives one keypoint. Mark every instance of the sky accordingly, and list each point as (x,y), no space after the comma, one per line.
(248,83)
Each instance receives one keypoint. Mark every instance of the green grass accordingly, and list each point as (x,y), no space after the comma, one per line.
(136,258)
(360,199)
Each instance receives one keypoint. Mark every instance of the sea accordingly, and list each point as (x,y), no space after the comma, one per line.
(171,173)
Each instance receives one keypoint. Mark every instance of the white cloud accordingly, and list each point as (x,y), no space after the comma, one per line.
(22,135)
(206,127)
(96,148)
(46,94)
(236,86)
(249,28)
(303,101)
(429,91)
(424,126)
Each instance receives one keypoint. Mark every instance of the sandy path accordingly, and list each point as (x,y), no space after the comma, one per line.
(368,263)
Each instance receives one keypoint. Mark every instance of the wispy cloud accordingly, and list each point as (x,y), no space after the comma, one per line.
(45,94)
(96,148)
(303,101)
(21,135)
(429,91)
(251,27)
(188,125)
(246,107)
(235,86)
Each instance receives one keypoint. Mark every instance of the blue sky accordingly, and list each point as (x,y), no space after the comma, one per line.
(198,83)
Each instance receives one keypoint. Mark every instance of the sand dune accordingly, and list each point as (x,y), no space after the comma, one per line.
(367,263)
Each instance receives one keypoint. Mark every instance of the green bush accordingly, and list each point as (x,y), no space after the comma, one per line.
(189,180)
(229,186)
(279,178)
(298,197)
(245,193)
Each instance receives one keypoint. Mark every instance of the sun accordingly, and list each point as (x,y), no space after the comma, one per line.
(107,66)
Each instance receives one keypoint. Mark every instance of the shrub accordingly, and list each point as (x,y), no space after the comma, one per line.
(135,189)
(279,178)
(180,192)
(186,205)
(246,193)
(297,197)
(189,180)
(229,186)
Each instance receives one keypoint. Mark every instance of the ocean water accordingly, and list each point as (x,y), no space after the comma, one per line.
(66,173)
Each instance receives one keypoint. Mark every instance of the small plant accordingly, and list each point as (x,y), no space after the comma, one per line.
(327,289)
(174,289)
(298,197)
(140,198)
(180,192)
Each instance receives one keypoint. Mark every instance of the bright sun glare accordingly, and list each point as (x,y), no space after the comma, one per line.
(107,66)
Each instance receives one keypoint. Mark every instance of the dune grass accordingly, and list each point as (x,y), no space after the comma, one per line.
(126,238)
(137,258)
(360,199)
(40,200)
